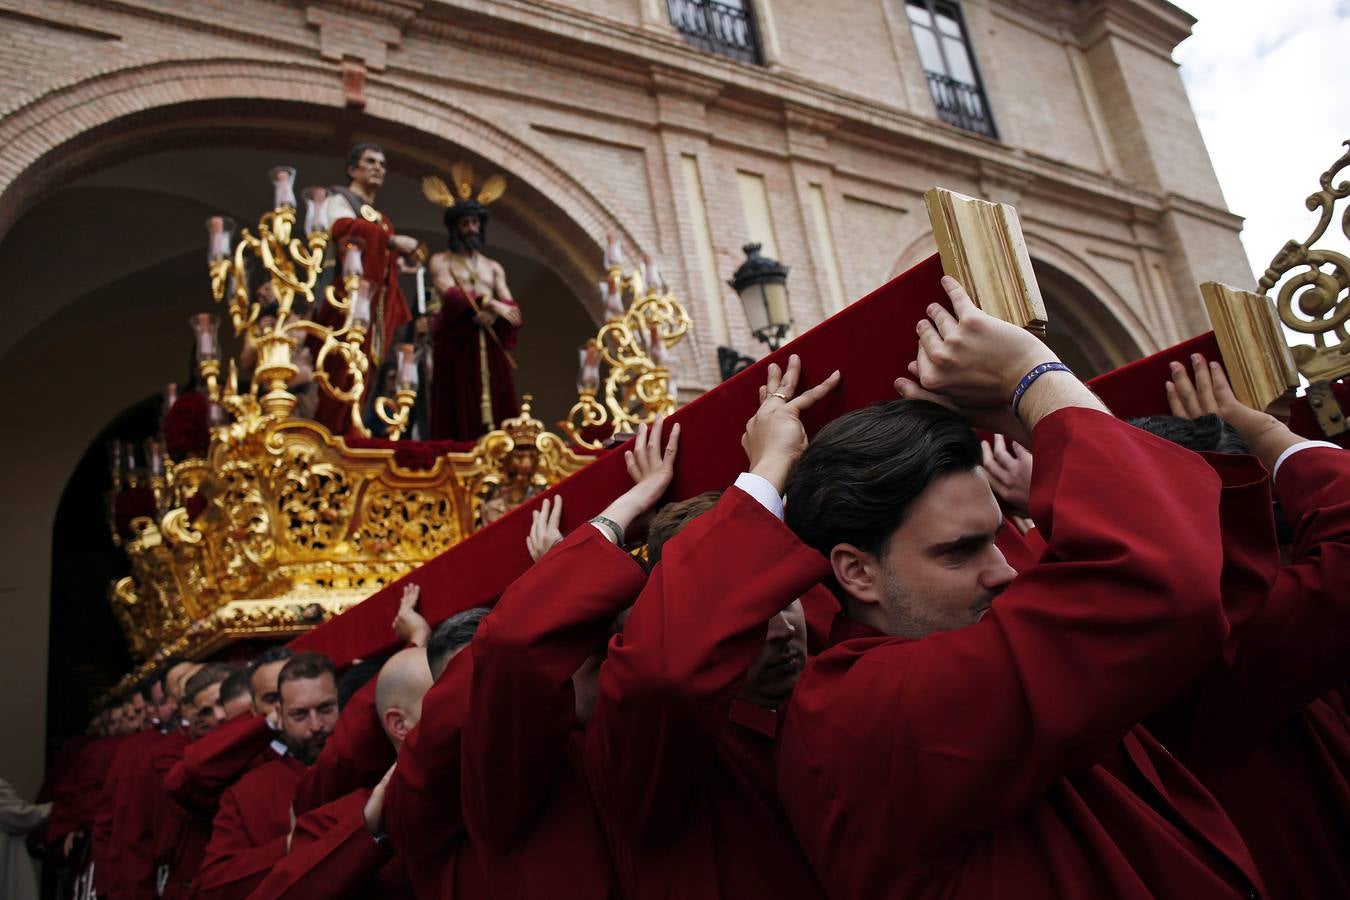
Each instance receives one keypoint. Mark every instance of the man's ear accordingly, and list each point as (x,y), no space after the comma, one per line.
(394,723)
(858,573)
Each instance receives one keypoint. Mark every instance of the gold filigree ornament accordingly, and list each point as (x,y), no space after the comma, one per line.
(644,321)
(1313,296)
(513,463)
(1304,290)
(274,317)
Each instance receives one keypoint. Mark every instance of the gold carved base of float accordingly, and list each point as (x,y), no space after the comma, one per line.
(292,527)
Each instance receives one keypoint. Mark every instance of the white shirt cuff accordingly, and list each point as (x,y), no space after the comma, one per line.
(1302,445)
(758,486)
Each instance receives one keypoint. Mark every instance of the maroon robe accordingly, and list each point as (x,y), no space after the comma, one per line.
(196,779)
(356,756)
(249,834)
(525,799)
(180,836)
(329,817)
(457,385)
(388,311)
(682,771)
(422,808)
(125,866)
(110,863)
(58,782)
(1275,754)
(1003,758)
(333,857)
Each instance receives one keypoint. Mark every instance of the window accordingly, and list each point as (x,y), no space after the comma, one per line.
(724,27)
(944,52)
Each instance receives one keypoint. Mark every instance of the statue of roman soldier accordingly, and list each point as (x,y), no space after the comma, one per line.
(351,214)
(475,327)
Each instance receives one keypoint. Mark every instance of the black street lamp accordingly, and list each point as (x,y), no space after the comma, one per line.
(761,283)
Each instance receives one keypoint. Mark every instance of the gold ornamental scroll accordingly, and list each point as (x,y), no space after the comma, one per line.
(982,247)
(1260,366)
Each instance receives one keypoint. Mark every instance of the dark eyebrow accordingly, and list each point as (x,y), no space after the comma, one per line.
(969,540)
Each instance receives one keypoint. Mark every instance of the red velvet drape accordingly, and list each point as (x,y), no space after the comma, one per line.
(870,342)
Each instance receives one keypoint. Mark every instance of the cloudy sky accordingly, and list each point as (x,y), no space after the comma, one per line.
(1268,84)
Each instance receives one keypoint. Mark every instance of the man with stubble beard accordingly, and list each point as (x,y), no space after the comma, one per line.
(251,829)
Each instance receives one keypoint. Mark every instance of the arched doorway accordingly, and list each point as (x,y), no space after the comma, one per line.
(105,260)
(1082,330)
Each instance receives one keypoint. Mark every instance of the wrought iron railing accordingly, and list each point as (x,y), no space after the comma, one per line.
(961,104)
(719,28)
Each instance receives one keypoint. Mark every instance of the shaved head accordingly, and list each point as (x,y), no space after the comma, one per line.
(403,681)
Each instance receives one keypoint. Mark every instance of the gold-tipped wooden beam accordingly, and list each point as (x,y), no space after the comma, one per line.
(1255,353)
(982,247)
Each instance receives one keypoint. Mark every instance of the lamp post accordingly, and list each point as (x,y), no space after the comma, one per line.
(761,283)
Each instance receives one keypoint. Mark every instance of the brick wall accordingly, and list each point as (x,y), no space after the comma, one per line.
(591,108)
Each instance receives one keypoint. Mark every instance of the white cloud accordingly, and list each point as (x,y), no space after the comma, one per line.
(1267,83)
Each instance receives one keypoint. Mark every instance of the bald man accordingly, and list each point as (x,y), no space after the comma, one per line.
(399,690)
(337,848)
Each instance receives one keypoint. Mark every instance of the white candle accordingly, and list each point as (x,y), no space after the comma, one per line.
(351,257)
(613,252)
(283,186)
(316,209)
(421,290)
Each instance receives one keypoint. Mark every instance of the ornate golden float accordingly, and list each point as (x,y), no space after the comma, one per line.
(279,524)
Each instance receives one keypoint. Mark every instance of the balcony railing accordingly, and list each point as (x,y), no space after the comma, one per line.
(716,27)
(961,104)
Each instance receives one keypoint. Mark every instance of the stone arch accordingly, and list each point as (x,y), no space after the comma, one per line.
(1089,320)
(87,126)
(1096,305)
(77,128)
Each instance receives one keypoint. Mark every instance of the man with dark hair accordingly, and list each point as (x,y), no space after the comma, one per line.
(197,774)
(116,870)
(967,735)
(139,794)
(262,677)
(672,517)
(203,692)
(337,845)
(250,832)
(452,636)
(352,217)
(235,698)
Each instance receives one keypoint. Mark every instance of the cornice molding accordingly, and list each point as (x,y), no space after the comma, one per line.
(1154,24)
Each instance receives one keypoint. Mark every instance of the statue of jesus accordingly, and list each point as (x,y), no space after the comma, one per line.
(475,328)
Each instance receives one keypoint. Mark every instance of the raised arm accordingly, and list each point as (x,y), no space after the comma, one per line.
(1292,644)
(967,727)
(667,685)
(332,855)
(422,807)
(217,760)
(550,619)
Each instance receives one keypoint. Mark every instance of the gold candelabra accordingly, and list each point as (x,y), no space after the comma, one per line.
(644,320)
(293,267)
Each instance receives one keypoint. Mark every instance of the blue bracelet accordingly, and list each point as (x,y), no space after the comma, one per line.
(1030,378)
